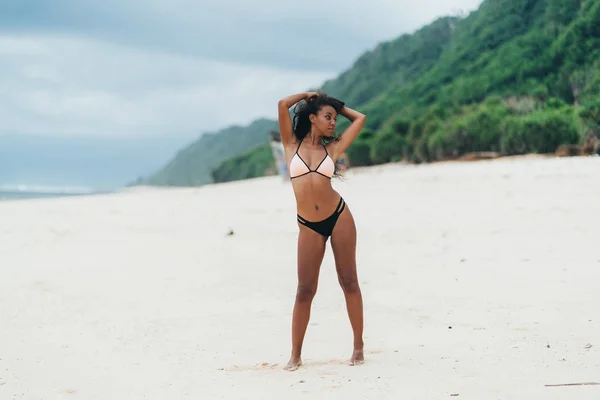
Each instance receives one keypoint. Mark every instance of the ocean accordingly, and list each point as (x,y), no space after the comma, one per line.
(30,195)
(22,192)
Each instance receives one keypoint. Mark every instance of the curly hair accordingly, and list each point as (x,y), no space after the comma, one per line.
(301,122)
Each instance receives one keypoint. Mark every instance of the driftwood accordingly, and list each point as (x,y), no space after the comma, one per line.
(482,155)
(473,156)
(575,384)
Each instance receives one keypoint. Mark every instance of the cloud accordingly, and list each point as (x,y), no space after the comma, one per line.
(64,86)
(308,34)
(157,67)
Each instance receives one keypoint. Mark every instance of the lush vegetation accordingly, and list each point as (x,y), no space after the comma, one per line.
(513,77)
(256,162)
(511,80)
(193,165)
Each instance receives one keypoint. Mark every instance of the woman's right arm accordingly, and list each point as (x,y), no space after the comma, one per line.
(285,122)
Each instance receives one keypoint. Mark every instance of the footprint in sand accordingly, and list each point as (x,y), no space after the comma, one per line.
(256,367)
(316,363)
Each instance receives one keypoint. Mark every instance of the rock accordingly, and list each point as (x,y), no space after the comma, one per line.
(568,150)
(591,145)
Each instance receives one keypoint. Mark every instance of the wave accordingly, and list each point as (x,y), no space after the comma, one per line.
(25,188)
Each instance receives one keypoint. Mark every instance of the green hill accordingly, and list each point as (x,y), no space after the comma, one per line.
(393,65)
(513,77)
(253,163)
(193,165)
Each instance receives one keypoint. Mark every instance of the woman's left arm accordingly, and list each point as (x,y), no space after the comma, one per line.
(357,120)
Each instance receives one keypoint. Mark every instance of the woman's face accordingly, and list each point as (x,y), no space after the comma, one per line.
(324,121)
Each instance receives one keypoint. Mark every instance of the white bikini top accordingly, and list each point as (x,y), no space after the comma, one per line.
(298,167)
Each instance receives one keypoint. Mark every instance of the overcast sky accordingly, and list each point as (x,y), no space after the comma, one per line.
(160,67)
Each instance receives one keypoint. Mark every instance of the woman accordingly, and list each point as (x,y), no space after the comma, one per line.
(311,149)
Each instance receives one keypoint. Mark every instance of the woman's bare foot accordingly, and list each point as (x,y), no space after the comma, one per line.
(293,364)
(358,357)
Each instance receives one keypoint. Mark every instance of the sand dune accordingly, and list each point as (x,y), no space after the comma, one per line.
(480,281)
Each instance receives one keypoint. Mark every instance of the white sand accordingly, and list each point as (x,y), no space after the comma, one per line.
(142,295)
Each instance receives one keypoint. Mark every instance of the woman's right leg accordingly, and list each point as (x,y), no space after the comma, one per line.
(311,249)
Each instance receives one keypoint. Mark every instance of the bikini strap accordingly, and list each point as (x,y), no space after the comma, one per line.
(340,206)
(298,148)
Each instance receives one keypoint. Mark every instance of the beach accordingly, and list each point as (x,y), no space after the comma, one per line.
(480,281)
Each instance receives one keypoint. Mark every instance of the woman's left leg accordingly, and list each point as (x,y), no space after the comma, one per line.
(343,243)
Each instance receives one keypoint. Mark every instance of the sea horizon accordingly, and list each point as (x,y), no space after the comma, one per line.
(25,191)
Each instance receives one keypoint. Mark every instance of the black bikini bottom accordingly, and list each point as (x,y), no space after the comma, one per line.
(325,227)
